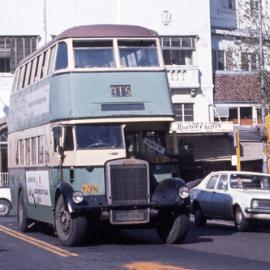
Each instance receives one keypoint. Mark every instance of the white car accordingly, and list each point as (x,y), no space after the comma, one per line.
(230,195)
(5,201)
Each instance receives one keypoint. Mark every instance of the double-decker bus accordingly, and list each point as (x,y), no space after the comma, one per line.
(88,123)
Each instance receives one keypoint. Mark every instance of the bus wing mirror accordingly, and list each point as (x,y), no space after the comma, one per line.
(60,151)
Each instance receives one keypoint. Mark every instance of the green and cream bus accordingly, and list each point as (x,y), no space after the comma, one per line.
(88,122)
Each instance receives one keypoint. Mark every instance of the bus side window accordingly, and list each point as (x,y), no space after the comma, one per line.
(17,153)
(68,140)
(21,152)
(51,59)
(27,151)
(44,68)
(40,150)
(57,134)
(34,150)
(61,57)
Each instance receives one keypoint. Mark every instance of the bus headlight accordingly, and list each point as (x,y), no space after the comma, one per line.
(77,197)
(183,192)
(254,204)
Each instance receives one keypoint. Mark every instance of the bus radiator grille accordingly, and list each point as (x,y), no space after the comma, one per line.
(129,184)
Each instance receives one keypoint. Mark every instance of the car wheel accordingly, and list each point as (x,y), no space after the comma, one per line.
(22,219)
(175,231)
(5,207)
(70,230)
(241,223)
(200,219)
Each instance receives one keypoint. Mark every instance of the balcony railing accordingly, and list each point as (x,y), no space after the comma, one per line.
(183,76)
(4,179)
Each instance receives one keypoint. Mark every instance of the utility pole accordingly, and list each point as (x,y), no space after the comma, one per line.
(45,20)
(238,151)
(262,79)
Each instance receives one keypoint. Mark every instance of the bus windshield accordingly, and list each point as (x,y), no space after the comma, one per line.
(98,136)
(138,53)
(91,54)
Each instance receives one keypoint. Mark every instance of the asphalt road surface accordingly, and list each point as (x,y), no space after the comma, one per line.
(216,246)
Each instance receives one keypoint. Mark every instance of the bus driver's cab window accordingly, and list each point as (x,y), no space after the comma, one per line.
(68,139)
(57,137)
(145,144)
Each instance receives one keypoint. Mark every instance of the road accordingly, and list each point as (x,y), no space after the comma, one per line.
(216,246)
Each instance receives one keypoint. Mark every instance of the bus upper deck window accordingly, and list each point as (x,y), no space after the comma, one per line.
(61,57)
(138,53)
(93,53)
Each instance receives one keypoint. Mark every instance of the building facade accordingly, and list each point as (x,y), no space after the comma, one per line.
(238,56)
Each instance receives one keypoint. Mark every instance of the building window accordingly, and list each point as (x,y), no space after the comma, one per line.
(178,50)
(13,50)
(254,5)
(4,55)
(218,59)
(228,4)
(239,115)
(183,111)
(249,61)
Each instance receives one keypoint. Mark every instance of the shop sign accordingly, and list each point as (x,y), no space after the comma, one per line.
(200,127)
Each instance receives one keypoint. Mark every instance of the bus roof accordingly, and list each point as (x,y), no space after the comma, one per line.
(98,31)
(106,30)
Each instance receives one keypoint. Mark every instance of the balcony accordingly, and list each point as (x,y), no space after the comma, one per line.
(183,76)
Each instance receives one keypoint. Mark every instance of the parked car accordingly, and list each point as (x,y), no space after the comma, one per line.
(240,196)
(5,201)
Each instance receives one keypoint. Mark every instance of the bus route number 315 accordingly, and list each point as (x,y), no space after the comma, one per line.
(121,90)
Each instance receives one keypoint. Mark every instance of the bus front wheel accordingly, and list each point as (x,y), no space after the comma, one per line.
(175,230)
(70,230)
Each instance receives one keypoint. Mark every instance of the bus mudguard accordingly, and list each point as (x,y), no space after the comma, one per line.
(167,192)
(67,191)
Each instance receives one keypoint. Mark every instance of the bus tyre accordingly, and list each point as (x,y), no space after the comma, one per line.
(23,221)
(176,231)
(70,230)
(241,223)
(5,208)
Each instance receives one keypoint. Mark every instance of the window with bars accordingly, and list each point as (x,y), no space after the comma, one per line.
(249,61)
(14,49)
(183,112)
(254,5)
(222,60)
(178,50)
(218,59)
